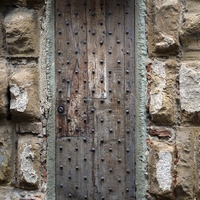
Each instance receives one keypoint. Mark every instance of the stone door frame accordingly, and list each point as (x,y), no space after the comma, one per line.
(140,100)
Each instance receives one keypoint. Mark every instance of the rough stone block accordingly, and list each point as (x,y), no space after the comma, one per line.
(162,89)
(160,170)
(28,162)
(6,146)
(189,36)
(24,90)
(3,89)
(163,25)
(161,132)
(185,180)
(189,76)
(22,35)
(35,128)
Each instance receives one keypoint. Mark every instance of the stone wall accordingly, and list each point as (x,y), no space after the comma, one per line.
(173,76)
(173,106)
(23,100)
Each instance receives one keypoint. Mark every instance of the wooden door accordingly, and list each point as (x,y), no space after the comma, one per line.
(95,99)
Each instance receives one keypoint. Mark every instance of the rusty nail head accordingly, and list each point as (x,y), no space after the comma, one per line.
(68,119)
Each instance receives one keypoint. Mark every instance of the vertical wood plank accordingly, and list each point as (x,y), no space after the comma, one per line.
(96,48)
(129,99)
(77,111)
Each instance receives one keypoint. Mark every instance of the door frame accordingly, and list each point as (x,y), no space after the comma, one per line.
(140,100)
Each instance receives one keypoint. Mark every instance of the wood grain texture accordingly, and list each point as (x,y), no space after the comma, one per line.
(95,73)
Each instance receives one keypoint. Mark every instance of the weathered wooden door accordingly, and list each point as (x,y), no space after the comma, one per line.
(95,99)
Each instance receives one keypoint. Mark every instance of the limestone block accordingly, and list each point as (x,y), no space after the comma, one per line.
(27,127)
(21,33)
(28,162)
(185,144)
(163,25)
(160,169)
(162,92)
(189,76)
(6,145)
(3,89)
(24,90)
